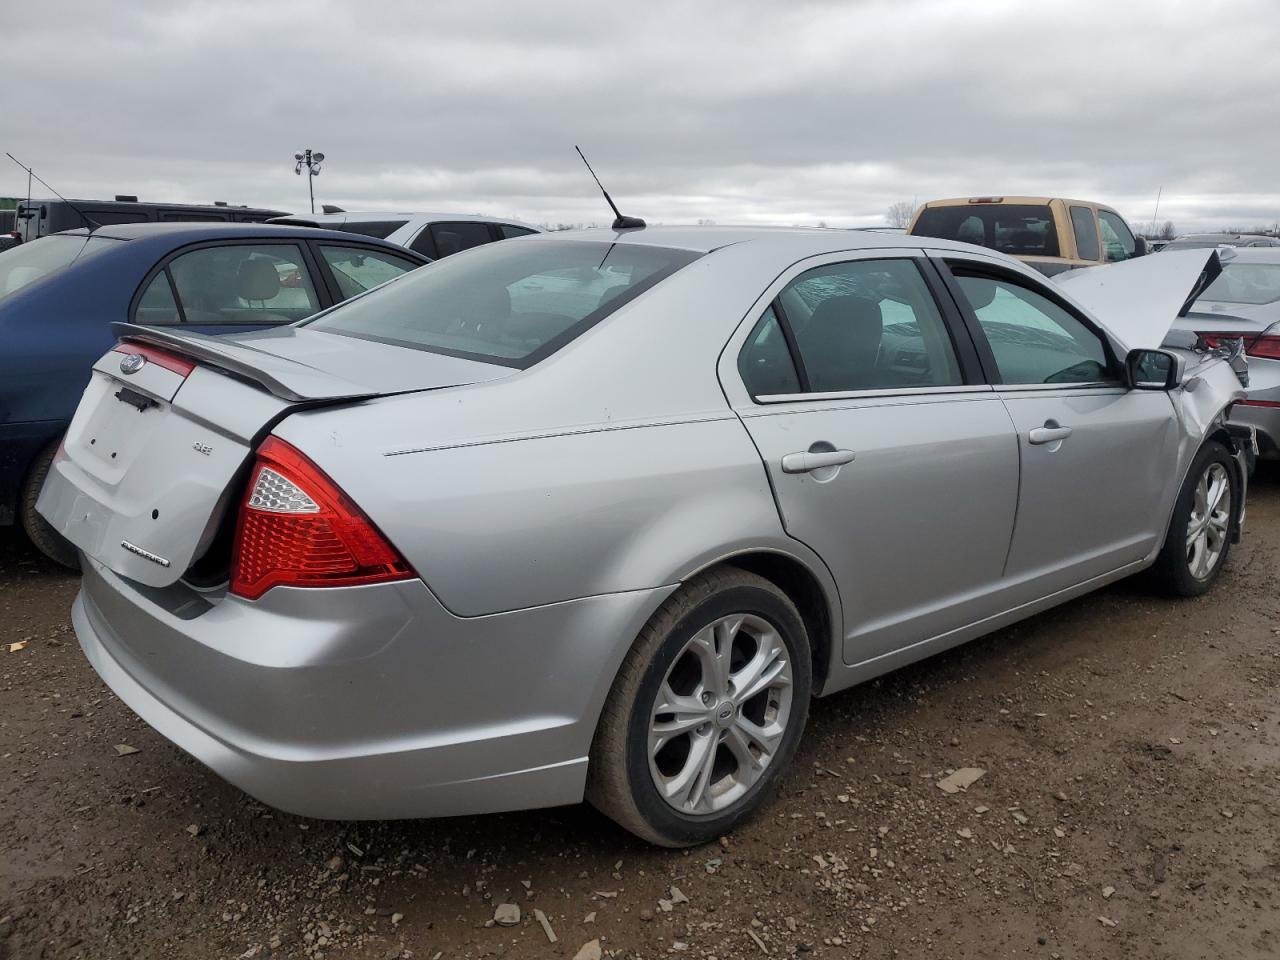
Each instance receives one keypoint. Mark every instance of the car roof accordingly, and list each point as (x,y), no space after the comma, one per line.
(1224,237)
(996,199)
(194,231)
(806,241)
(1250,255)
(378,216)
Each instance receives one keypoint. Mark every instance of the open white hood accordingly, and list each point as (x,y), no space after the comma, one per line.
(1139,300)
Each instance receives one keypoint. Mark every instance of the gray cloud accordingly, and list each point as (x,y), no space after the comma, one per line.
(738,112)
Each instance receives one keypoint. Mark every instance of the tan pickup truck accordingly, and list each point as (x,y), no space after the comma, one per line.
(1048,233)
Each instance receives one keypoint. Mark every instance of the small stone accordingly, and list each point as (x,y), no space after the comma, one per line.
(396,918)
(1019,816)
(677,896)
(589,951)
(1107,892)
(1107,922)
(194,829)
(590,917)
(965,833)
(962,779)
(334,864)
(1060,796)
(1059,832)
(666,906)
(646,914)
(545,924)
(1228,814)
(980,809)
(123,750)
(506,915)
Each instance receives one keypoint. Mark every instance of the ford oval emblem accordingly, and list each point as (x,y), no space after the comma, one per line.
(132,363)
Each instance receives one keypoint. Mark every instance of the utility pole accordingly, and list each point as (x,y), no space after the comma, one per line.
(1155,216)
(310,160)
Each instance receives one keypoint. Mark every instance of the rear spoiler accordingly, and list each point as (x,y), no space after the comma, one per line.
(283,378)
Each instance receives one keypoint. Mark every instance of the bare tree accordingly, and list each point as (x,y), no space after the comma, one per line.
(1167,231)
(899,214)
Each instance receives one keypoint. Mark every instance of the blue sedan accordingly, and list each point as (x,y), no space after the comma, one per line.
(60,294)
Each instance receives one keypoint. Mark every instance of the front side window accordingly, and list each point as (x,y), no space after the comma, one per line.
(510,303)
(1033,339)
(357,269)
(1117,240)
(1086,233)
(451,238)
(868,325)
(1019,229)
(249,283)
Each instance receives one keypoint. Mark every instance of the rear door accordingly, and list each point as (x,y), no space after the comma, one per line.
(1095,456)
(887,454)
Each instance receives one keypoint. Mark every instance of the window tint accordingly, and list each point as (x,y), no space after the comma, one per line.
(30,261)
(102,218)
(357,269)
(1086,233)
(508,231)
(156,305)
(453,238)
(261,283)
(1117,241)
(868,325)
(176,216)
(510,303)
(765,362)
(1021,229)
(372,228)
(1034,340)
(1245,283)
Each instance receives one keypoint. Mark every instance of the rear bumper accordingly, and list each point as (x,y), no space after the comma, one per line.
(365,702)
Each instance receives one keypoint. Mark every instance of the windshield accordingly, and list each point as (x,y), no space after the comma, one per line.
(28,262)
(1020,229)
(1245,283)
(509,303)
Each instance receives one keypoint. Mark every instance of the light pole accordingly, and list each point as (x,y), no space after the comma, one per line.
(312,162)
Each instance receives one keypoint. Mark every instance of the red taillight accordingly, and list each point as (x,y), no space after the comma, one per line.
(297,529)
(1264,347)
(170,361)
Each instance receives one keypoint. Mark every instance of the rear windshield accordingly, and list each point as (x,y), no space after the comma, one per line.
(1245,283)
(28,262)
(1020,229)
(507,303)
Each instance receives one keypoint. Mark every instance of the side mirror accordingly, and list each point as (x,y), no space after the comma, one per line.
(1140,248)
(1153,370)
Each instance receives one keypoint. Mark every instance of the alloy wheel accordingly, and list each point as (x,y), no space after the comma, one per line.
(720,714)
(1208,525)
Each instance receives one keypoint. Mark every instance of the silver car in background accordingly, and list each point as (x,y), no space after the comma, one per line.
(598,513)
(1244,303)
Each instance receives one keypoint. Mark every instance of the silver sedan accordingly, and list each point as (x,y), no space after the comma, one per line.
(598,514)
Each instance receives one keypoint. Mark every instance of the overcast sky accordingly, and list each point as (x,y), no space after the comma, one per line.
(770,112)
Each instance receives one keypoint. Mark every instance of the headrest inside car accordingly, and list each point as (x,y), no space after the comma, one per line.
(258,280)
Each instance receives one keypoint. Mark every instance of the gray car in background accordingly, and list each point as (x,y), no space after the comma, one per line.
(598,513)
(1244,302)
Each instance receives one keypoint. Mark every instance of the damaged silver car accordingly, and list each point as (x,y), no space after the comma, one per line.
(598,513)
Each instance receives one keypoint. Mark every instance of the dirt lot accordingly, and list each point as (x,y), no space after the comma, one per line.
(1129,809)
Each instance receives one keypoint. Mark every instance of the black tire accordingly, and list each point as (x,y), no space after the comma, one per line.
(1172,572)
(619,782)
(45,539)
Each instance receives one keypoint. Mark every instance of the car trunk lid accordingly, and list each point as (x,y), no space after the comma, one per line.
(158,449)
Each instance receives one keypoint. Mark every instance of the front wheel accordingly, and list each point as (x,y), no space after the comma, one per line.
(705,713)
(42,536)
(1204,518)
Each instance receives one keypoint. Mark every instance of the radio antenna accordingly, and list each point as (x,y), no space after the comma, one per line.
(620,222)
(30,173)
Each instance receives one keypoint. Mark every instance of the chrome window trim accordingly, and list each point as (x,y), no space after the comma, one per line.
(1113,385)
(874,394)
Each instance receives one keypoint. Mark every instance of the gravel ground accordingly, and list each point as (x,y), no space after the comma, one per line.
(1131,748)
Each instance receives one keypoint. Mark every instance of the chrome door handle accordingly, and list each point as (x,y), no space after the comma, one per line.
(1051,431)
(810,460)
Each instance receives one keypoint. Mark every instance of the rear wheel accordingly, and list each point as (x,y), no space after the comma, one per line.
(705,713)
(1204,516)
(45,539)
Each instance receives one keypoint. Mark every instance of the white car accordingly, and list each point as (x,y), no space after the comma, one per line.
(433,235)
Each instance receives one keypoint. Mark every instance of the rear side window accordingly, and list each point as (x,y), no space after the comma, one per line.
(357,269)
(28,262)
(765,362)
(373,228)
(451,238)
(243,283)
(862,325)
(1019,229)
(508,231)
(157,304)
(512,304)
(1086,233)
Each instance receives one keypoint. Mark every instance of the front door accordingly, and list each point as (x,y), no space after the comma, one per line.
(1095,455)
(885,454)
